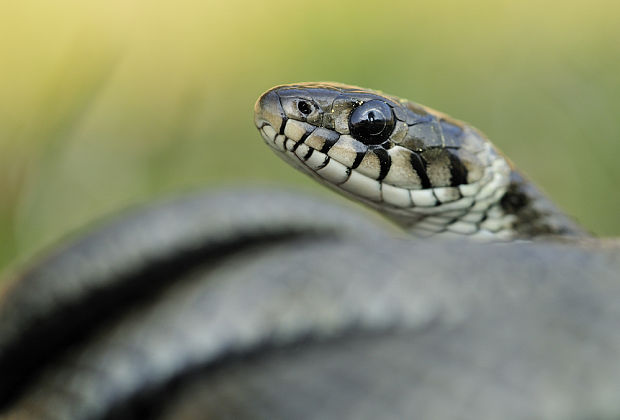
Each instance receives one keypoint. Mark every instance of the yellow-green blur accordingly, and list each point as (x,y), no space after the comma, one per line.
(104,105)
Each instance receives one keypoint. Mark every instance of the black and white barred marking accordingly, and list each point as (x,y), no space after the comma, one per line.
(432,174)
(462,209)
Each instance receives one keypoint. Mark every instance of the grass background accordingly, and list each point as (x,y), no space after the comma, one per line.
(107,104)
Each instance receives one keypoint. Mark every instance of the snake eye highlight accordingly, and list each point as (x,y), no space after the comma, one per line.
(304,107)
(372,122)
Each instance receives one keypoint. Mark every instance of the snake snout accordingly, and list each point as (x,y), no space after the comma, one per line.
(268,112)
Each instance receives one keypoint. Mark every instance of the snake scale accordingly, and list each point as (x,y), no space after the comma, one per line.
(428,172)
(266,304)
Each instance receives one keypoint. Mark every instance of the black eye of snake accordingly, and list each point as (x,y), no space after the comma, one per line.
(372,122)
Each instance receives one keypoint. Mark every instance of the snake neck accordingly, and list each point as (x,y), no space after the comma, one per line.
(521,211)
(534,215)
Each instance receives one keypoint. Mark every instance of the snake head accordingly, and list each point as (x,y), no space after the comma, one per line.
(404,159)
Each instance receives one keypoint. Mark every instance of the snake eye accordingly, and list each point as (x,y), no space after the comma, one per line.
(372,122)
(304,107)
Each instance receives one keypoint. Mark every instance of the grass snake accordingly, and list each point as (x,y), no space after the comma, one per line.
(419,167)
(265,304)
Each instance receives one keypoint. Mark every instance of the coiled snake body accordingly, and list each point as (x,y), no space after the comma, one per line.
(263,304)
(417,166)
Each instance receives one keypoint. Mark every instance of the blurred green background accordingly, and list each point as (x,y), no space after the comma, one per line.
(108,104)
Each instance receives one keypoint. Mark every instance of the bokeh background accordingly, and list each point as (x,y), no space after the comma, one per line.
(105,105)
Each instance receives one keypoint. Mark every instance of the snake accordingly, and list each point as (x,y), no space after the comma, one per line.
(430,173)
(261,303)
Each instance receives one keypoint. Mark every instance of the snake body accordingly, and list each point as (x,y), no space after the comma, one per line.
(255,304)
(423,169)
